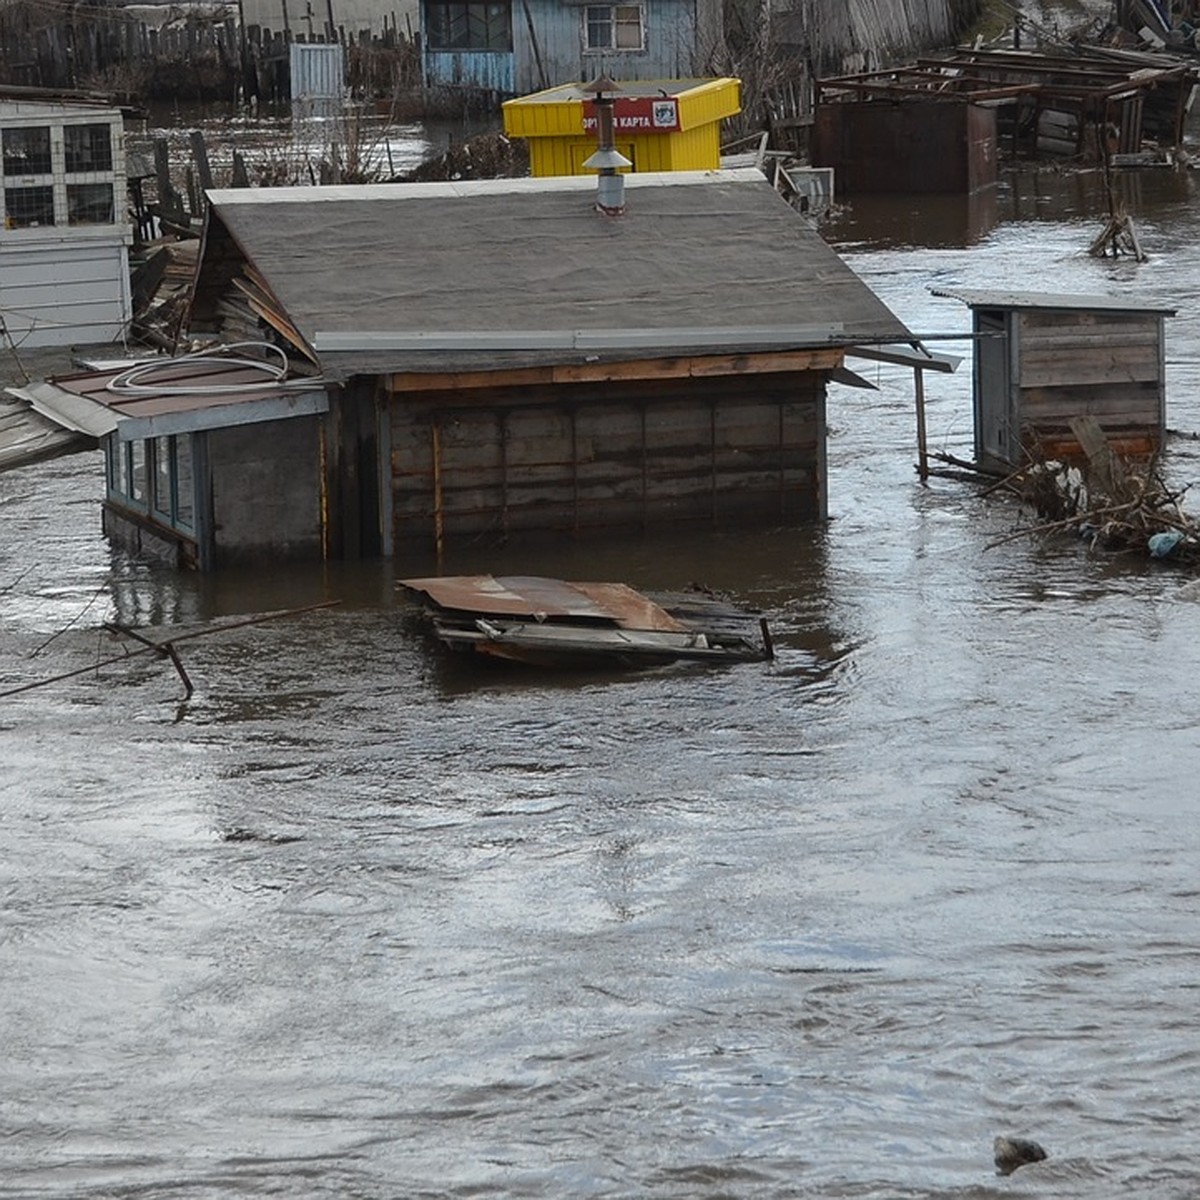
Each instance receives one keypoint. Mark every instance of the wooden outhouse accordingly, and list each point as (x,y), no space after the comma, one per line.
(658,125)
(1042,359)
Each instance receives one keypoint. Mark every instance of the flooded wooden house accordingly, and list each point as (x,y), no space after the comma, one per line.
(477,362)
(942,123)
(64,231)
(1042,360)
(514,48)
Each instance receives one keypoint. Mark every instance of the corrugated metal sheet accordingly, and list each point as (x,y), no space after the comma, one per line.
(318,76)
(545,599)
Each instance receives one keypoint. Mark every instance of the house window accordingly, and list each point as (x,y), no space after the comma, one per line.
(170,461)
(28,207)
(181,465)
(88,147)
(27,151)
(89,204)
(164,499)
(137,472)
(469,26)
(613,27)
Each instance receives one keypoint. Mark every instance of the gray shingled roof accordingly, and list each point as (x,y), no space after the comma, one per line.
(702,257)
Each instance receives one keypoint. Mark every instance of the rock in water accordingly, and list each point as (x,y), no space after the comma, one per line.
(1012,1153)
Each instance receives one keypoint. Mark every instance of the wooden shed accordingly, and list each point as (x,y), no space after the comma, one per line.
(475,362)
(1041,360)
(659,125)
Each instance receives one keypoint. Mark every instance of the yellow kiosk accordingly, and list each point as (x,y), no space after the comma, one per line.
(659,124)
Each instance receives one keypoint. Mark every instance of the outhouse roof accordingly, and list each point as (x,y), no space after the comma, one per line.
(514,273)
(983,298)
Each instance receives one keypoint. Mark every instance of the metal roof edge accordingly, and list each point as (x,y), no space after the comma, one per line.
(830,334)
(308,403)
(71,411)
(464,188)
(988,298)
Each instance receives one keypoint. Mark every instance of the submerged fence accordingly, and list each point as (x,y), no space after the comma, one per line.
(104,48)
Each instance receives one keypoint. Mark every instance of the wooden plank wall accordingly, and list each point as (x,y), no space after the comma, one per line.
(1106,365)
(714,452)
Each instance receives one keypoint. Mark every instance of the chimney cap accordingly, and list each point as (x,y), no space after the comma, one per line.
(600,85)
(607,160)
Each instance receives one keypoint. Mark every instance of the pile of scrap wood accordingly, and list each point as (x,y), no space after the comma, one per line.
(161,274)
(556,623)
(1117,505)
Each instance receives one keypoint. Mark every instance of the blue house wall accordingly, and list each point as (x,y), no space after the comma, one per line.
(489,70)
(548,39)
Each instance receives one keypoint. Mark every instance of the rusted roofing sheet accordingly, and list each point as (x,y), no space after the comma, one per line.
(546,599)
(191,393)
(982,75)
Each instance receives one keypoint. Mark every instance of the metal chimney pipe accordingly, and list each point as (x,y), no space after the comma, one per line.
(607,161)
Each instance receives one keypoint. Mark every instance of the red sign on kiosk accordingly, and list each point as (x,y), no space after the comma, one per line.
(637,114)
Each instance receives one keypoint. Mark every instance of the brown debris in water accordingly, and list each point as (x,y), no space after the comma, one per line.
(1120,505)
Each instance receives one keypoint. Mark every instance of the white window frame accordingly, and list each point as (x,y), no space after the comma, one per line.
(59,179)
(614,21)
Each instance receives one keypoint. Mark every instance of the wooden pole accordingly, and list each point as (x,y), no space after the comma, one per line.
(922,447)
(200,155)
(439,520)
(242,35)
(333,33)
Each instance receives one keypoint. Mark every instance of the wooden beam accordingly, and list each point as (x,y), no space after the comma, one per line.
(772,362)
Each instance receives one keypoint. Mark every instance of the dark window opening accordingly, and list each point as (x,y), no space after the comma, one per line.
(469,26)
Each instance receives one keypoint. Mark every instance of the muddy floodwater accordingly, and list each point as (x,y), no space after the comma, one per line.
(358,922)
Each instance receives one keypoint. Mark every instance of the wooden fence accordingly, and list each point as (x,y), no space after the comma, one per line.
(106,49)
